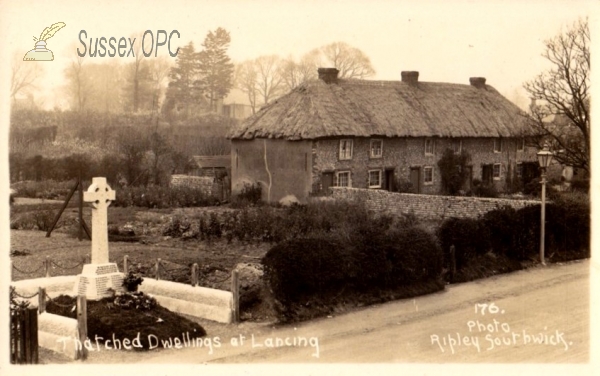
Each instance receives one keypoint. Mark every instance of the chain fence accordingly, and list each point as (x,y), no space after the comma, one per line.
(49,299)
(147,268)
(67,267)
(25,296)
(28,272)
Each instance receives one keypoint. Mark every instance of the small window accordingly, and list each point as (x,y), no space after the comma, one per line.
(496,171)
(374,178)
(342,179)
(376,148)
(520,144)
(519,170)
(457,146)
(497,145)
(429,146)
(345,149)
(428,175)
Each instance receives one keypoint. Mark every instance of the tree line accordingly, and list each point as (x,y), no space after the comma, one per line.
(196,81)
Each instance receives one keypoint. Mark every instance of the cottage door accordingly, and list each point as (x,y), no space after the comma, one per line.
(415,179)
(487,174)
(326,182)
(469,181)
(389,180)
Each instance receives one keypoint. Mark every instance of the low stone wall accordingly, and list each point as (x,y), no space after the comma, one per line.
(211,304)
(427,206)
(202,182)
(58,333)
(206,184)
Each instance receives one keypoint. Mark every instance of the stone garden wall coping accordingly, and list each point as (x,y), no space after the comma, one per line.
(52,330)
(196,301)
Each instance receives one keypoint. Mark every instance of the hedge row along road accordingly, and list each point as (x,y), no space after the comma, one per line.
(539,315)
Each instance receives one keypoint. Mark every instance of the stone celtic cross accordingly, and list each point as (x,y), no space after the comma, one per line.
(101,196)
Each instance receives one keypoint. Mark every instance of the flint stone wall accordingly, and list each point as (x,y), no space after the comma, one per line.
(427,206)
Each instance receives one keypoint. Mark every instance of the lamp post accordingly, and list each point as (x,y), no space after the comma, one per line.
(544,159)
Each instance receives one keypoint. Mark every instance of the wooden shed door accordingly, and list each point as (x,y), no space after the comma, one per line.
(415,179)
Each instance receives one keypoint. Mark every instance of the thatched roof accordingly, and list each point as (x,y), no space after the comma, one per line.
(385,108)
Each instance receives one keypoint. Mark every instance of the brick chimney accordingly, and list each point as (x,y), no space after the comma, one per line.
(478,82)
(411,77)
(329,75)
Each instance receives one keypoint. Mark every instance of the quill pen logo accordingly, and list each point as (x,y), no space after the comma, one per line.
(40,52)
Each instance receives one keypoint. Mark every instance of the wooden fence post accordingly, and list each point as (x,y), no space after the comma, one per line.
(195,274)
(452,262)
(47,266)
(41,300)
(80,206)
(158,269)
(81,327)
(126,264)
(22,337)
(235,289)
(31,336)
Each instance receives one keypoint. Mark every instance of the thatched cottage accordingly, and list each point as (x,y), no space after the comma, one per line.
(374,134)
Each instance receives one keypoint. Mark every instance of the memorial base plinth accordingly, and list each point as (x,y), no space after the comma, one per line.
(98,281)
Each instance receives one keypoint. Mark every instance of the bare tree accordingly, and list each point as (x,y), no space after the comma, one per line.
(350,61)
(246,81)
(159,68)
(295,73)
(105,86)
(23,76)
(78,86)
(261,79)
(563,92)
(268,77)
(138,75)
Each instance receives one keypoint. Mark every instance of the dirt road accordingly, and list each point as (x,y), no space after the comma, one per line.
(540,315)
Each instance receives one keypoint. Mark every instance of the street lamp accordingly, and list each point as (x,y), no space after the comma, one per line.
(544,159)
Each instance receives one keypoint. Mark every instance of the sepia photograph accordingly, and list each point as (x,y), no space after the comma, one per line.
(333,187)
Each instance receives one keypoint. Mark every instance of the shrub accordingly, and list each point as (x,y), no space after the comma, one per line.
(250,195)
(483,189)
(299,268)
(155,196)
(580,186)
(414,255)
(500,225)
(453,170)
(403,185)
(469,237)
(360,260)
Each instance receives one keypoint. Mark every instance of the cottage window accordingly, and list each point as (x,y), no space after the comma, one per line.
(342,179)
(519,170)
(496,171)
(457,146)
(520,144)
(345,149)
(428,175)
(497,145)
(374,178)
(429,146)
(376,148)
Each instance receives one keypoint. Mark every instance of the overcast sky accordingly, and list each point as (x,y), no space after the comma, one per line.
(445,41)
